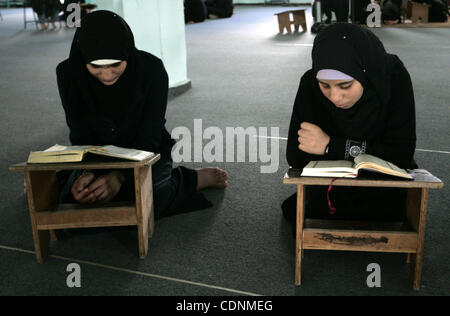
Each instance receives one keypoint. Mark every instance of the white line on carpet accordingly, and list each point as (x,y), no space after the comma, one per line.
(151,275)
(303,45)
(434,151)
(389,46)
(423,150)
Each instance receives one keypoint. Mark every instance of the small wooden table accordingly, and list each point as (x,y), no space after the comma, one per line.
(366,236)
(47,215)
(284,20)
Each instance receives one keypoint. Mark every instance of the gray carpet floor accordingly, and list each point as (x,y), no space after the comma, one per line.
(244,74)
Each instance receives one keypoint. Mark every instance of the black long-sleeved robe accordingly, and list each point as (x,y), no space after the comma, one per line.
(142,127)
(395,142)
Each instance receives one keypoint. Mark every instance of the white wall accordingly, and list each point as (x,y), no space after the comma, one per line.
(158,28)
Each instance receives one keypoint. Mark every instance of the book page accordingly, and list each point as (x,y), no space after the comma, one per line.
(363,158)
(330,174)
(55,148)
(330,165)
(59,148)
(59,154)
(369,162)
(330,168)
(125,153)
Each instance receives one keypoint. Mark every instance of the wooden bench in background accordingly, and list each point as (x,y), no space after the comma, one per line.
(47,215)
(405,237)
(284,20)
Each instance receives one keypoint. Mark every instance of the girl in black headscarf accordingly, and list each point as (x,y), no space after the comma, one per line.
(114,94)
(356,99)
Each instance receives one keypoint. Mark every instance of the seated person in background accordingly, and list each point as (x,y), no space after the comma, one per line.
(339,7)
(438,11)
(359,11)
(219,8)
(317,14)
(327,8)
(391,11)
(357,98)
(194,11)
(46,10)
(114,94)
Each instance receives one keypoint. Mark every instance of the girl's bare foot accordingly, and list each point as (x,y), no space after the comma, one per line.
(211,178)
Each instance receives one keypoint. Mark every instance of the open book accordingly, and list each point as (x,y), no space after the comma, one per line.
(349,169)
(58,153)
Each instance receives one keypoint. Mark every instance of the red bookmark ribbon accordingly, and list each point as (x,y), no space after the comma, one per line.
(332,208)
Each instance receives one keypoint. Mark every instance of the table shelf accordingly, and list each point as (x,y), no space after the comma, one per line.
(67,216)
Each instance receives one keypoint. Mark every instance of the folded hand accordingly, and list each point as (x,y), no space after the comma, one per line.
(102,189)
(312,139)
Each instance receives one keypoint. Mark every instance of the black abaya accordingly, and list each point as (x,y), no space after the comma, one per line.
(221,8)
(392,10)
(383,119)
(194,11)
(339,7)
(130,113)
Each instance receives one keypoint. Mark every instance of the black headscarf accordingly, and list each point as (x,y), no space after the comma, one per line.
(102,35)
(358,53)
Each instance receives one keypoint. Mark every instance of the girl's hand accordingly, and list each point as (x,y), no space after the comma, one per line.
(312,139)
(102,189)
(106,187)
(80,191)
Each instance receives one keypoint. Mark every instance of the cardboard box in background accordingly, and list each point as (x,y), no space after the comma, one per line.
(417,12)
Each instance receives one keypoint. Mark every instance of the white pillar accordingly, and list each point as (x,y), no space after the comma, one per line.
(158,28)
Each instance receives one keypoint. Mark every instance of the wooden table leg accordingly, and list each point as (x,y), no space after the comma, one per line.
(280,24)
(416,213)
(300,19)
(288,23)
(42,192)
(284,22)
(144,203)
(151,218)
(303,20)
(299,233)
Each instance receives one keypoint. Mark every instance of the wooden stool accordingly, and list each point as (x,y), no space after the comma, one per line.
(366,236)
(47,215)
(284,20)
